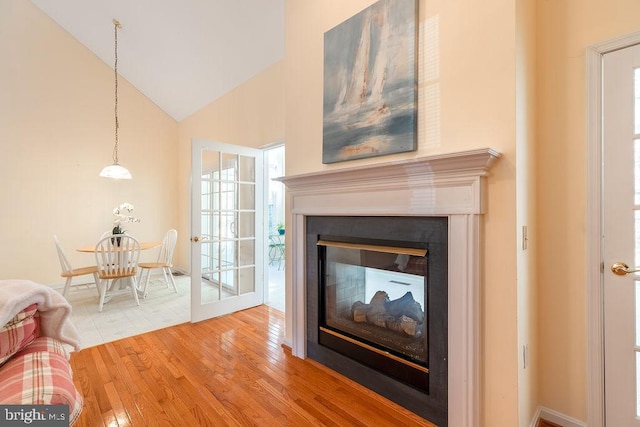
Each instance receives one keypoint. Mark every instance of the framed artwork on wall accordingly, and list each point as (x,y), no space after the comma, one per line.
(370,83)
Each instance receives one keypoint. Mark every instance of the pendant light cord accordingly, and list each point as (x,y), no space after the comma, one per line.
(114,170)
(116,24)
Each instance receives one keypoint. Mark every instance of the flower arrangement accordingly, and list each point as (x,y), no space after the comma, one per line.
(122,217)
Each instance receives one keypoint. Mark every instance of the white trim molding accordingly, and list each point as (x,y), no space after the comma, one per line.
(555,417)
(595,313)
(451,185)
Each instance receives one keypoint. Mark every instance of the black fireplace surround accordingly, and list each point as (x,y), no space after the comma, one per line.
(423,393)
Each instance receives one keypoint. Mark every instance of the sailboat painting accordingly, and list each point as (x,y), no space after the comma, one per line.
(370,92)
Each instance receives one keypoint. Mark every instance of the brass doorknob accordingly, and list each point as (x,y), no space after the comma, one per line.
(622,269)
(195,239)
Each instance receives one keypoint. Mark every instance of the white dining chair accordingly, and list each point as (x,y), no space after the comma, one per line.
(117,260)
(69,272)
(164,263)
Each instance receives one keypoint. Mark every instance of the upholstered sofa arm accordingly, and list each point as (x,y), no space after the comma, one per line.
(40,374)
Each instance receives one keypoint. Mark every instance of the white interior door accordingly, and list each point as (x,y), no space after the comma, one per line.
(621,243)
(227,243)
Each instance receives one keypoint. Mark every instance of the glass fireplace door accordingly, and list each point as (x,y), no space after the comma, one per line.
(373,305)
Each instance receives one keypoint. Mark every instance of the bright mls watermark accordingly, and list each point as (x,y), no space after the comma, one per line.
(34,415)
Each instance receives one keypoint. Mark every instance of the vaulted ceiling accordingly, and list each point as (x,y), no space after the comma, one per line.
(181,54)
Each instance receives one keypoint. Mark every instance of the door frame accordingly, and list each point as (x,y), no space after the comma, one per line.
(265,148)
(594,255)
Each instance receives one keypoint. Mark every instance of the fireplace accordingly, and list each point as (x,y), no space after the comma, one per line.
(445,187)
(376,305)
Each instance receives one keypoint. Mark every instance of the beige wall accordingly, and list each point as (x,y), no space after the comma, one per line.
(565,29)
(57,133)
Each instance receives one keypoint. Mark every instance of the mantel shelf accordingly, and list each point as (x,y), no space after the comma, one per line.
(464,163)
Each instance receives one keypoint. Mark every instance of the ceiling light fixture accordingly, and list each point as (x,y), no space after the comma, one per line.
(116,171)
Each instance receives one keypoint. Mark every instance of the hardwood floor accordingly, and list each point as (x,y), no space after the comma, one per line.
(230,370)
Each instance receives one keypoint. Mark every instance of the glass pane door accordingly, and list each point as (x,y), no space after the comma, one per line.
(621,242)
(226,229)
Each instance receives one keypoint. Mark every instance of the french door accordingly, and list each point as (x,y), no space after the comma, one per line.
(227,243)
(621,231)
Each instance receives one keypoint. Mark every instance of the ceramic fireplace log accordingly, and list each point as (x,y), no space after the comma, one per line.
(400,315)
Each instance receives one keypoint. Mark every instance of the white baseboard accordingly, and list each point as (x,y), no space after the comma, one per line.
(555,417)
(181,271)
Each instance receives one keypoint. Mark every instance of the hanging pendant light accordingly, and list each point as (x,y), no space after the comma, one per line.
(115,171)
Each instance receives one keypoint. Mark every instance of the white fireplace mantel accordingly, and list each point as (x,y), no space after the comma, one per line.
(450,185)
